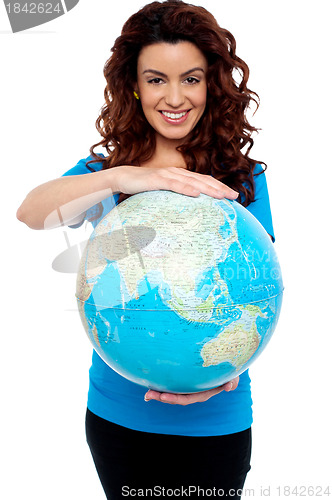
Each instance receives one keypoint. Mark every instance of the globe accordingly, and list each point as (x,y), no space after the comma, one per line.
(179,294)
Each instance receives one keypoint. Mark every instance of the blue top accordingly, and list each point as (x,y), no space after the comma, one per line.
(118,400)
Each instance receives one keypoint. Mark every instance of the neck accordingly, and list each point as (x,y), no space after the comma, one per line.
(166,154)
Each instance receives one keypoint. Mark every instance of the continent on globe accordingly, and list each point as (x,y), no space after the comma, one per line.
(179,294)
(237,343)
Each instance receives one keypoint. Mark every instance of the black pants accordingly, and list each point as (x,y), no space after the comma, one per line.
(134,463)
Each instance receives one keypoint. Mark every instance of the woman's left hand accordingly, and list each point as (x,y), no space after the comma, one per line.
(187,399)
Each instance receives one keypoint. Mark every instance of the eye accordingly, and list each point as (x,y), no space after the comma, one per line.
(155,81)
(191,80)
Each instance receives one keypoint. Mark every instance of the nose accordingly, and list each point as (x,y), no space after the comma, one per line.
(174,96)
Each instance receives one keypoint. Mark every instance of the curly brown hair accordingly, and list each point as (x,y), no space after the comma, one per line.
(215,145)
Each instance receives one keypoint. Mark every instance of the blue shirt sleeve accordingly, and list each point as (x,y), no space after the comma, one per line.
(260,207)
(97,212)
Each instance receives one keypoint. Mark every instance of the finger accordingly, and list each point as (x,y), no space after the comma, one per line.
(228,387)
(231,385)
(170,398)
(165,397)
(187,399)
(195,188)
(174,399)
(203,183)
(182,399)
(178,186)
(152,395)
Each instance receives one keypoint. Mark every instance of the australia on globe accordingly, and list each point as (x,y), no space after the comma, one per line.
(179,294)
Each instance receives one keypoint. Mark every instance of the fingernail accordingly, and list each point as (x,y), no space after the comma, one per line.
(146,399)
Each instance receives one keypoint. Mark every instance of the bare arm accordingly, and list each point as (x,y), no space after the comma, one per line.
(65,200)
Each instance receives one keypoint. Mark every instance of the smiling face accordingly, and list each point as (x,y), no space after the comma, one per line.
(171,83)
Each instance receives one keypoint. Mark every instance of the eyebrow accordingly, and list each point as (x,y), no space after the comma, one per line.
(159,73)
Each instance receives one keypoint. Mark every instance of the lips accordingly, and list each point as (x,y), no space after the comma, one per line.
(175,117)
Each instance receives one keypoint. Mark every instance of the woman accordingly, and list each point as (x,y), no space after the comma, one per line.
(174,119)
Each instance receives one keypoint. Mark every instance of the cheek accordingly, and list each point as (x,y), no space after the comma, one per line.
(201,98)
(149,101)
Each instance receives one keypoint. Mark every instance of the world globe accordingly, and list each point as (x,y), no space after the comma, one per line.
(179,294)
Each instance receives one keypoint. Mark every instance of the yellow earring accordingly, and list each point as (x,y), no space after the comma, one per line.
(136,95)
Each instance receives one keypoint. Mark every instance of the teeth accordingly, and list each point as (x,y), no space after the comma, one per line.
(174,116)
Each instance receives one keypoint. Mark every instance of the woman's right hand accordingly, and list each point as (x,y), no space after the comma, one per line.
(72,195)
(132,180)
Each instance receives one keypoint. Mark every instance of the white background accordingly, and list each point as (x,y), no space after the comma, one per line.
(51,91)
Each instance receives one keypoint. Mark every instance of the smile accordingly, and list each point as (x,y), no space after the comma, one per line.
(175,117)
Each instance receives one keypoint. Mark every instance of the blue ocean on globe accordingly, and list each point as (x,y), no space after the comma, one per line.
(179,294)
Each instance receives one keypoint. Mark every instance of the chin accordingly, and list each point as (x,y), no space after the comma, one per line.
(176,136)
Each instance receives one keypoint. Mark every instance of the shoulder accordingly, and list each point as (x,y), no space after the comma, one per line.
(84,167)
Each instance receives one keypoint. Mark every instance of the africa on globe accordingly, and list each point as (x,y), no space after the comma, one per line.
(179,294)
